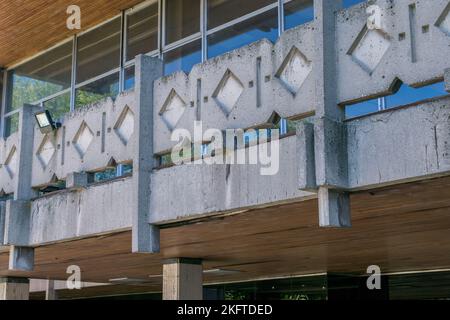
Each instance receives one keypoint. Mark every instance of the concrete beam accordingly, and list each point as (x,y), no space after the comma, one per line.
(21,258)
(334,208)
(17,222)
(14,288)
(77,180)
(447,79)
(182,279)
(145,237)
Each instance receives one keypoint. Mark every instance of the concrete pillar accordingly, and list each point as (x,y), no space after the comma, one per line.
(182,279)
(77,180)
(18,210)
(330,145)
(145,237)
(14,288)
(447,79)
(305,155)
(351,287)
(50,291)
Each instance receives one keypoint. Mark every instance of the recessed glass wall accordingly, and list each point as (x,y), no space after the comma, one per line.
(103,64)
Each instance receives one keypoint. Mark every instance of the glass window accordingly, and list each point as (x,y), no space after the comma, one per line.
(223,11)
(297,12)
(1,90)
(183,58)
(129,78)
(41,77)
(142,31)
(262,26)
(182,19)
(58,106)
(98,51)
(11,124)
(97,90)
(349,3)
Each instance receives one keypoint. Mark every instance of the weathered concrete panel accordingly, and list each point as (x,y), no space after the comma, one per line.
(189,190)
(9,162)
(399,145)
(97,209)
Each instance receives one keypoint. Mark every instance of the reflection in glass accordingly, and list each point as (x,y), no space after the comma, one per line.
(58,106)
(142,31)
(182,19)
(129,78)
(298,12)
(183,58)
(98,51)
(223,11)
(97,90)
(241,34)
(11,124)
(41,77)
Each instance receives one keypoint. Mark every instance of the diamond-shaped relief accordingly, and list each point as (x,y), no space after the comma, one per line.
(11,162)
(83,139)
(294,70)
(228,92)
(172,110)
(369,48)
(124,126)
(443,22)
(46,151)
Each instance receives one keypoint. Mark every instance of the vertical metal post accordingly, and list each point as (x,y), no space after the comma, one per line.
(74,73)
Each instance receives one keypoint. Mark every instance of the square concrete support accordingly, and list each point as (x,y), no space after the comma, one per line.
(145,237)
(183,279)
(2,222)
(305,156)
(21,258)
(77,180)
(447,79)
(17,222)
(14,288)
(50,291)
(334,208)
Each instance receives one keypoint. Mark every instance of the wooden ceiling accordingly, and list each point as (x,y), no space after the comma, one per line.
(28,27)
(400,228)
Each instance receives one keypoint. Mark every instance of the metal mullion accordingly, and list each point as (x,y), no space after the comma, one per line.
(74,73)
(123,39)
(182,42)
(11,113)
(52,96)
(160,27)
(243,18)
(280,17)
(203,28)
(163,25)
(103,75)
(3,104)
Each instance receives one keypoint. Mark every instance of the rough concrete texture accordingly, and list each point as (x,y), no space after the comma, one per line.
(95,210)
(305,156)
(399,145)
(334,208)
(189,190)
(8,162)
(88,139)
(430,50)
(2,222)
(17,222)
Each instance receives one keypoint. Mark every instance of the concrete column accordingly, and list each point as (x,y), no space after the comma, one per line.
(77,180)
(145,237)
(182,279)
(50,291)
(18,210)
(14,288)
(447,79)
(330,145)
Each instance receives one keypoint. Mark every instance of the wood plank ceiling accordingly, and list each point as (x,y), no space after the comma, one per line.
(28,27)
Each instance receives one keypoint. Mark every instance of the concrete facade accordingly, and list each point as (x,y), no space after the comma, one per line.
(309,74)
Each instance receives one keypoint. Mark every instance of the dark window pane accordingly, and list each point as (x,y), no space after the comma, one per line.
(183,58)
(98,51)
(11,124)
(97,90)
(251,30)
(58,106)
(182,19)
(349,3)
(129,78)
(297,12)
(1,90)
(142,31)
(223,11)
(41,77)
